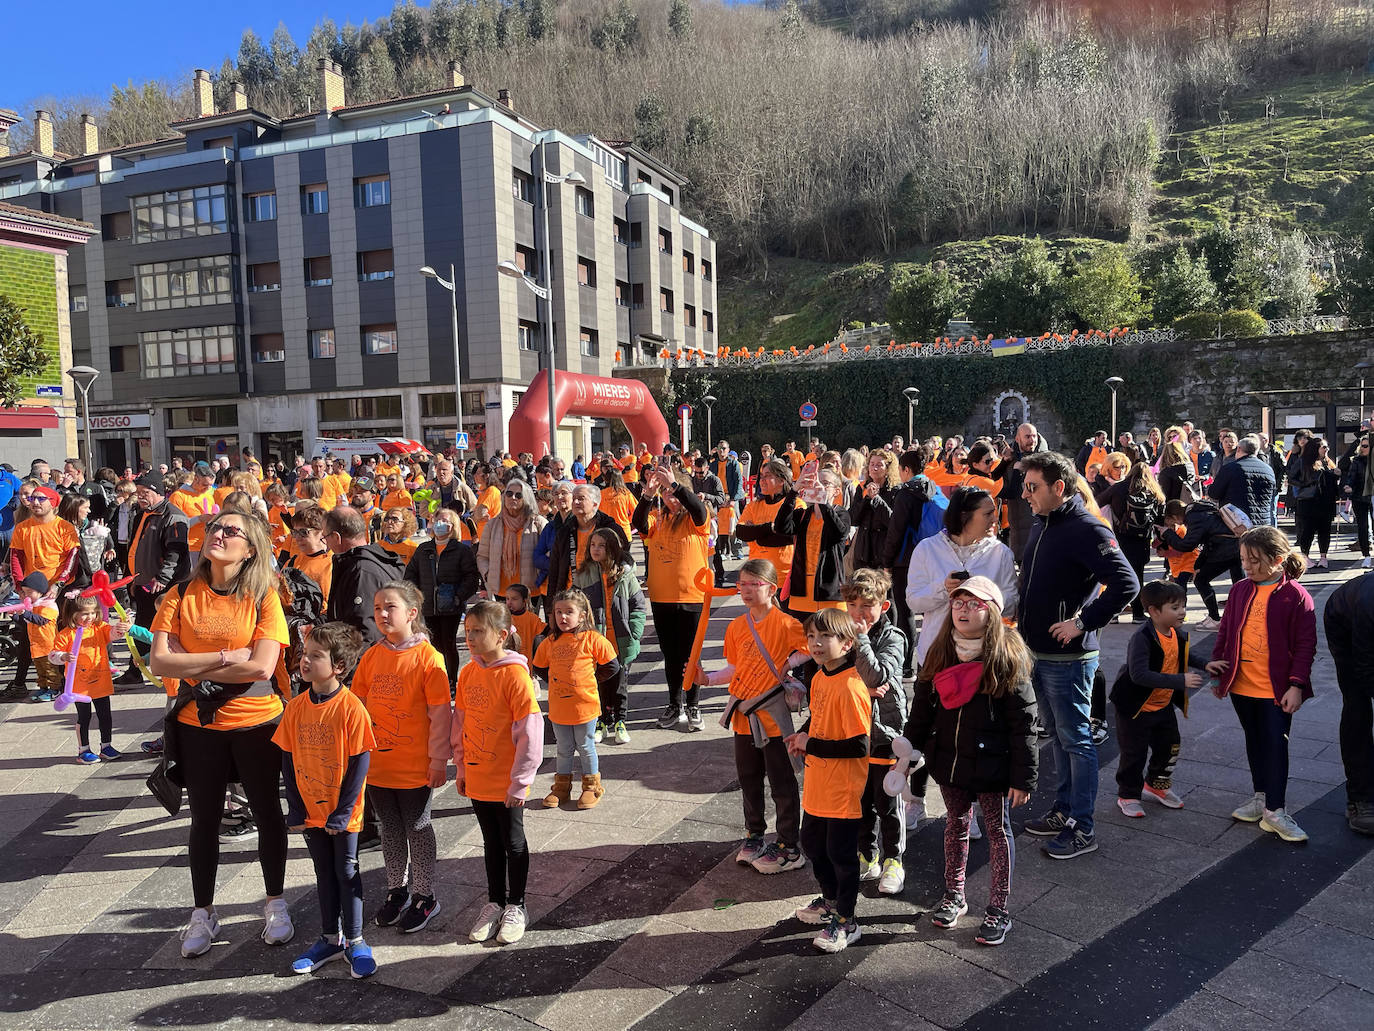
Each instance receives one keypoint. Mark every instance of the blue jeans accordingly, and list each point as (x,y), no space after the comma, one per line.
(576,737)
(1063,692)
(1274,509)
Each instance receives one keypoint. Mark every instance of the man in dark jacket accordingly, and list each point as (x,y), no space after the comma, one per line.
(585,518)
(1010,472)
(1271,455)
(1349,623)
(360,569)
(907,508)
(158,556)
(1069,554)
(1247,483)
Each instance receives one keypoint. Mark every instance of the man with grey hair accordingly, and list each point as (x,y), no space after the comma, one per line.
(1247,483)
(570,539)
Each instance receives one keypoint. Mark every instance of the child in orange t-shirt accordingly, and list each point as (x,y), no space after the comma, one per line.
(41,626)
(326,740)
(404,684)
(92,672)
(498,743)
(571,660)
(835,743)
(526,624)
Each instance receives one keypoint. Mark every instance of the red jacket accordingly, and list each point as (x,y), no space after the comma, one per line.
(1291,622)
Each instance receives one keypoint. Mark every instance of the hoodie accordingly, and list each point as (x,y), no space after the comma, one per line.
(475,737)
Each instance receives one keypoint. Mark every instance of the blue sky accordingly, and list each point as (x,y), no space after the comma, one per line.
(83,47)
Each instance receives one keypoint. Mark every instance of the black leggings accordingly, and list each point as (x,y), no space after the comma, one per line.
(675,624)
(1136,550)
(1314,520)
(1206,571)
(444,634)
(832,845)
(615,695)
(207,757)
(506,851)
(102,716)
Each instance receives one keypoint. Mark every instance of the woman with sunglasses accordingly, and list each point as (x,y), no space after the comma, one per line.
(505,554)
(1358,486)
(219,637)
(399,527)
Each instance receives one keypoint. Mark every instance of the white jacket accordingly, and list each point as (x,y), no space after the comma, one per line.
(938,556)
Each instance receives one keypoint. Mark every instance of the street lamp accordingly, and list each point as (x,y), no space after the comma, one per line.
(708,401)
(1114,382)
(913,398)
(83,376)
(1362,368)
(451,285)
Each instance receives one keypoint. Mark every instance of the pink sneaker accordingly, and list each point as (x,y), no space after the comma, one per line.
(1166,798)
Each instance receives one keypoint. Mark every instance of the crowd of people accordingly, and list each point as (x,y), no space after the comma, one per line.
(343,634)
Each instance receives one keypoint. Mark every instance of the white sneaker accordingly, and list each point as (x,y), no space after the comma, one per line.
(975,833)
(277,928)
(1131,807)
(1251,811)
(512,925)
(1277,821)
(893,879)
(1364,562)
(869,869)
(486,923)
(198,935)
(1207,623)
(915,813)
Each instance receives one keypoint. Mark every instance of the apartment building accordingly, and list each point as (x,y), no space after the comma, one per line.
(256,280)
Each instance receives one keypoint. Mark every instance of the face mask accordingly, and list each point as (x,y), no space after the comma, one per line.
(442,529)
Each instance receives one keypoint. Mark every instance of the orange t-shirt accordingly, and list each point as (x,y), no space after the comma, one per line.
(203,620)
(280,534)
(796,460)
(490,499)
(620,506)
(44,545)
(194,506)
(528,626)
(405,548)
(762,511)
(319,568)
(221,493)
(571,660)
(674,556)
(629,472)
(398,687)
(806,602)
(1252,679)
(840,708)
(397,499)
(1187,561)
(491,700)
(1163,697)
(322,737)
(781,635)
(92,663)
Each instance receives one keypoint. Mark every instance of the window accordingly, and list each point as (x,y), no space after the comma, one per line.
(586,271)
(667,192)
(218,143)
(612,165)
(705,269)
(665,300)
(689,315)
(119,293)
(644,177)
(264,278)
(268,347)
(636,234)
(177,214)
(315,199)
(621,230)
(188,283)
(373,265)
(522,186)
(586,203)
(379,339)
(689,263)
(116,226)
(637,296)
(527,261)
(77,302)
(436,405)
(665,241)
(708,322)
(528,336)
(321,343)
(260,207)
(198,351)
(622,294)
(319,271)
(124,359)
(202,417)
(357,409)
(587,338)
(373,191)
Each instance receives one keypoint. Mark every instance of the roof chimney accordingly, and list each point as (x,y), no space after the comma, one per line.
(455,75)
(331,86)
(239,100)
(205,93)
(42,133)
(503,98)
(90,135)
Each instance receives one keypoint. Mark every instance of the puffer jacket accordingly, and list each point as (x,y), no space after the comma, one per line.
(878,656)
(938,556)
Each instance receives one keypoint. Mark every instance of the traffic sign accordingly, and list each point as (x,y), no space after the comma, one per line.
(807,411)
(808,423)
(684,410)
(460,441)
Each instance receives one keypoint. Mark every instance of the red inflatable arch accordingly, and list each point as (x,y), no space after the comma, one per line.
(574,394)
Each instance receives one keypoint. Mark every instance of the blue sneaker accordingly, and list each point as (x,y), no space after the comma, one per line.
(360,961)
(86,757)
(1070,844)
(324,950)
(45,696)
(108,752)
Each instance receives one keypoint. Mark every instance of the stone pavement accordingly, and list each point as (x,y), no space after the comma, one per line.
(639,916)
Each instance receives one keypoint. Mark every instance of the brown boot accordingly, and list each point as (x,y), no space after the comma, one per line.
(591,791)
(560,792)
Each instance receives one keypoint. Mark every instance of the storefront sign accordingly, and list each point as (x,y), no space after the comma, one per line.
(121,422)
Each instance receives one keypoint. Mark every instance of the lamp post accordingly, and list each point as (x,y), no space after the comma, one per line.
(83,376)
(451,285)
(1362,368)
(1114,382)
(913,398)
(708,400)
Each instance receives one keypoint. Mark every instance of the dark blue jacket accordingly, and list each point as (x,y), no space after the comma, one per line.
(1247,483)
(1069,553)
(9,490)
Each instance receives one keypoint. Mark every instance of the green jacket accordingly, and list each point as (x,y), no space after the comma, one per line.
(627,609)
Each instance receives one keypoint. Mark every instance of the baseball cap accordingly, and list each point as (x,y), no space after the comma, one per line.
(152,481)
(362,483)
(202,469)
(669,447)
(983,589)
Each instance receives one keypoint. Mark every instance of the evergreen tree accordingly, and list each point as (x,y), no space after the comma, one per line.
(1104,292)
(922,302)
(1021,296)
(680,19)
(651,123)
(1182,287)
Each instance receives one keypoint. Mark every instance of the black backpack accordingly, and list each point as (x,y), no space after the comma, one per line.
(1142,512)
(303,604)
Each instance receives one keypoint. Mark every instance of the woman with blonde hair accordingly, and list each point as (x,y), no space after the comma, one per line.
(871,510)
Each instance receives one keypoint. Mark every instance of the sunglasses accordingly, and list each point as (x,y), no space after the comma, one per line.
(514,494)
(228,532)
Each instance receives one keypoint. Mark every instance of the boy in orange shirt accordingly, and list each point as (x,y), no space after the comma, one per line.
(526,624)
(41,624)
(326,740)
(835,743)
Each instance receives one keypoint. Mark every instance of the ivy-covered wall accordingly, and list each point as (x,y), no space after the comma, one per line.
(862,402)
(28,278)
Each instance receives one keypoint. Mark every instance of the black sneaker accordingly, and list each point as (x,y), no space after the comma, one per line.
(1070,844)
(129,677)
(423,908)
(152,747)
(239,830)
(996,924)
(950,909)
(694,721)
(15,692)
(1047,826)
(397,902)
(1360,817)
(672,716)
(1100,731)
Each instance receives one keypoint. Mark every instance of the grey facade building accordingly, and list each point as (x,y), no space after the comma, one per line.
(256,280)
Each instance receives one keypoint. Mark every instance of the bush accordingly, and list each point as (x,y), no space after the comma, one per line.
(1104,292)
(1183,286)
(922,301)
(1199,325)
(1021,296)
(1239,323)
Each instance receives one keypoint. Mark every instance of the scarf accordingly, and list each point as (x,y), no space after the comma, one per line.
(512,528)
(967,649)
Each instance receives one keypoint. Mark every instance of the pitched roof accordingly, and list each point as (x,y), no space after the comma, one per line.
(19,211)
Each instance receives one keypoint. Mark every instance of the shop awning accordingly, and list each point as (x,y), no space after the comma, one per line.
(28,417)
